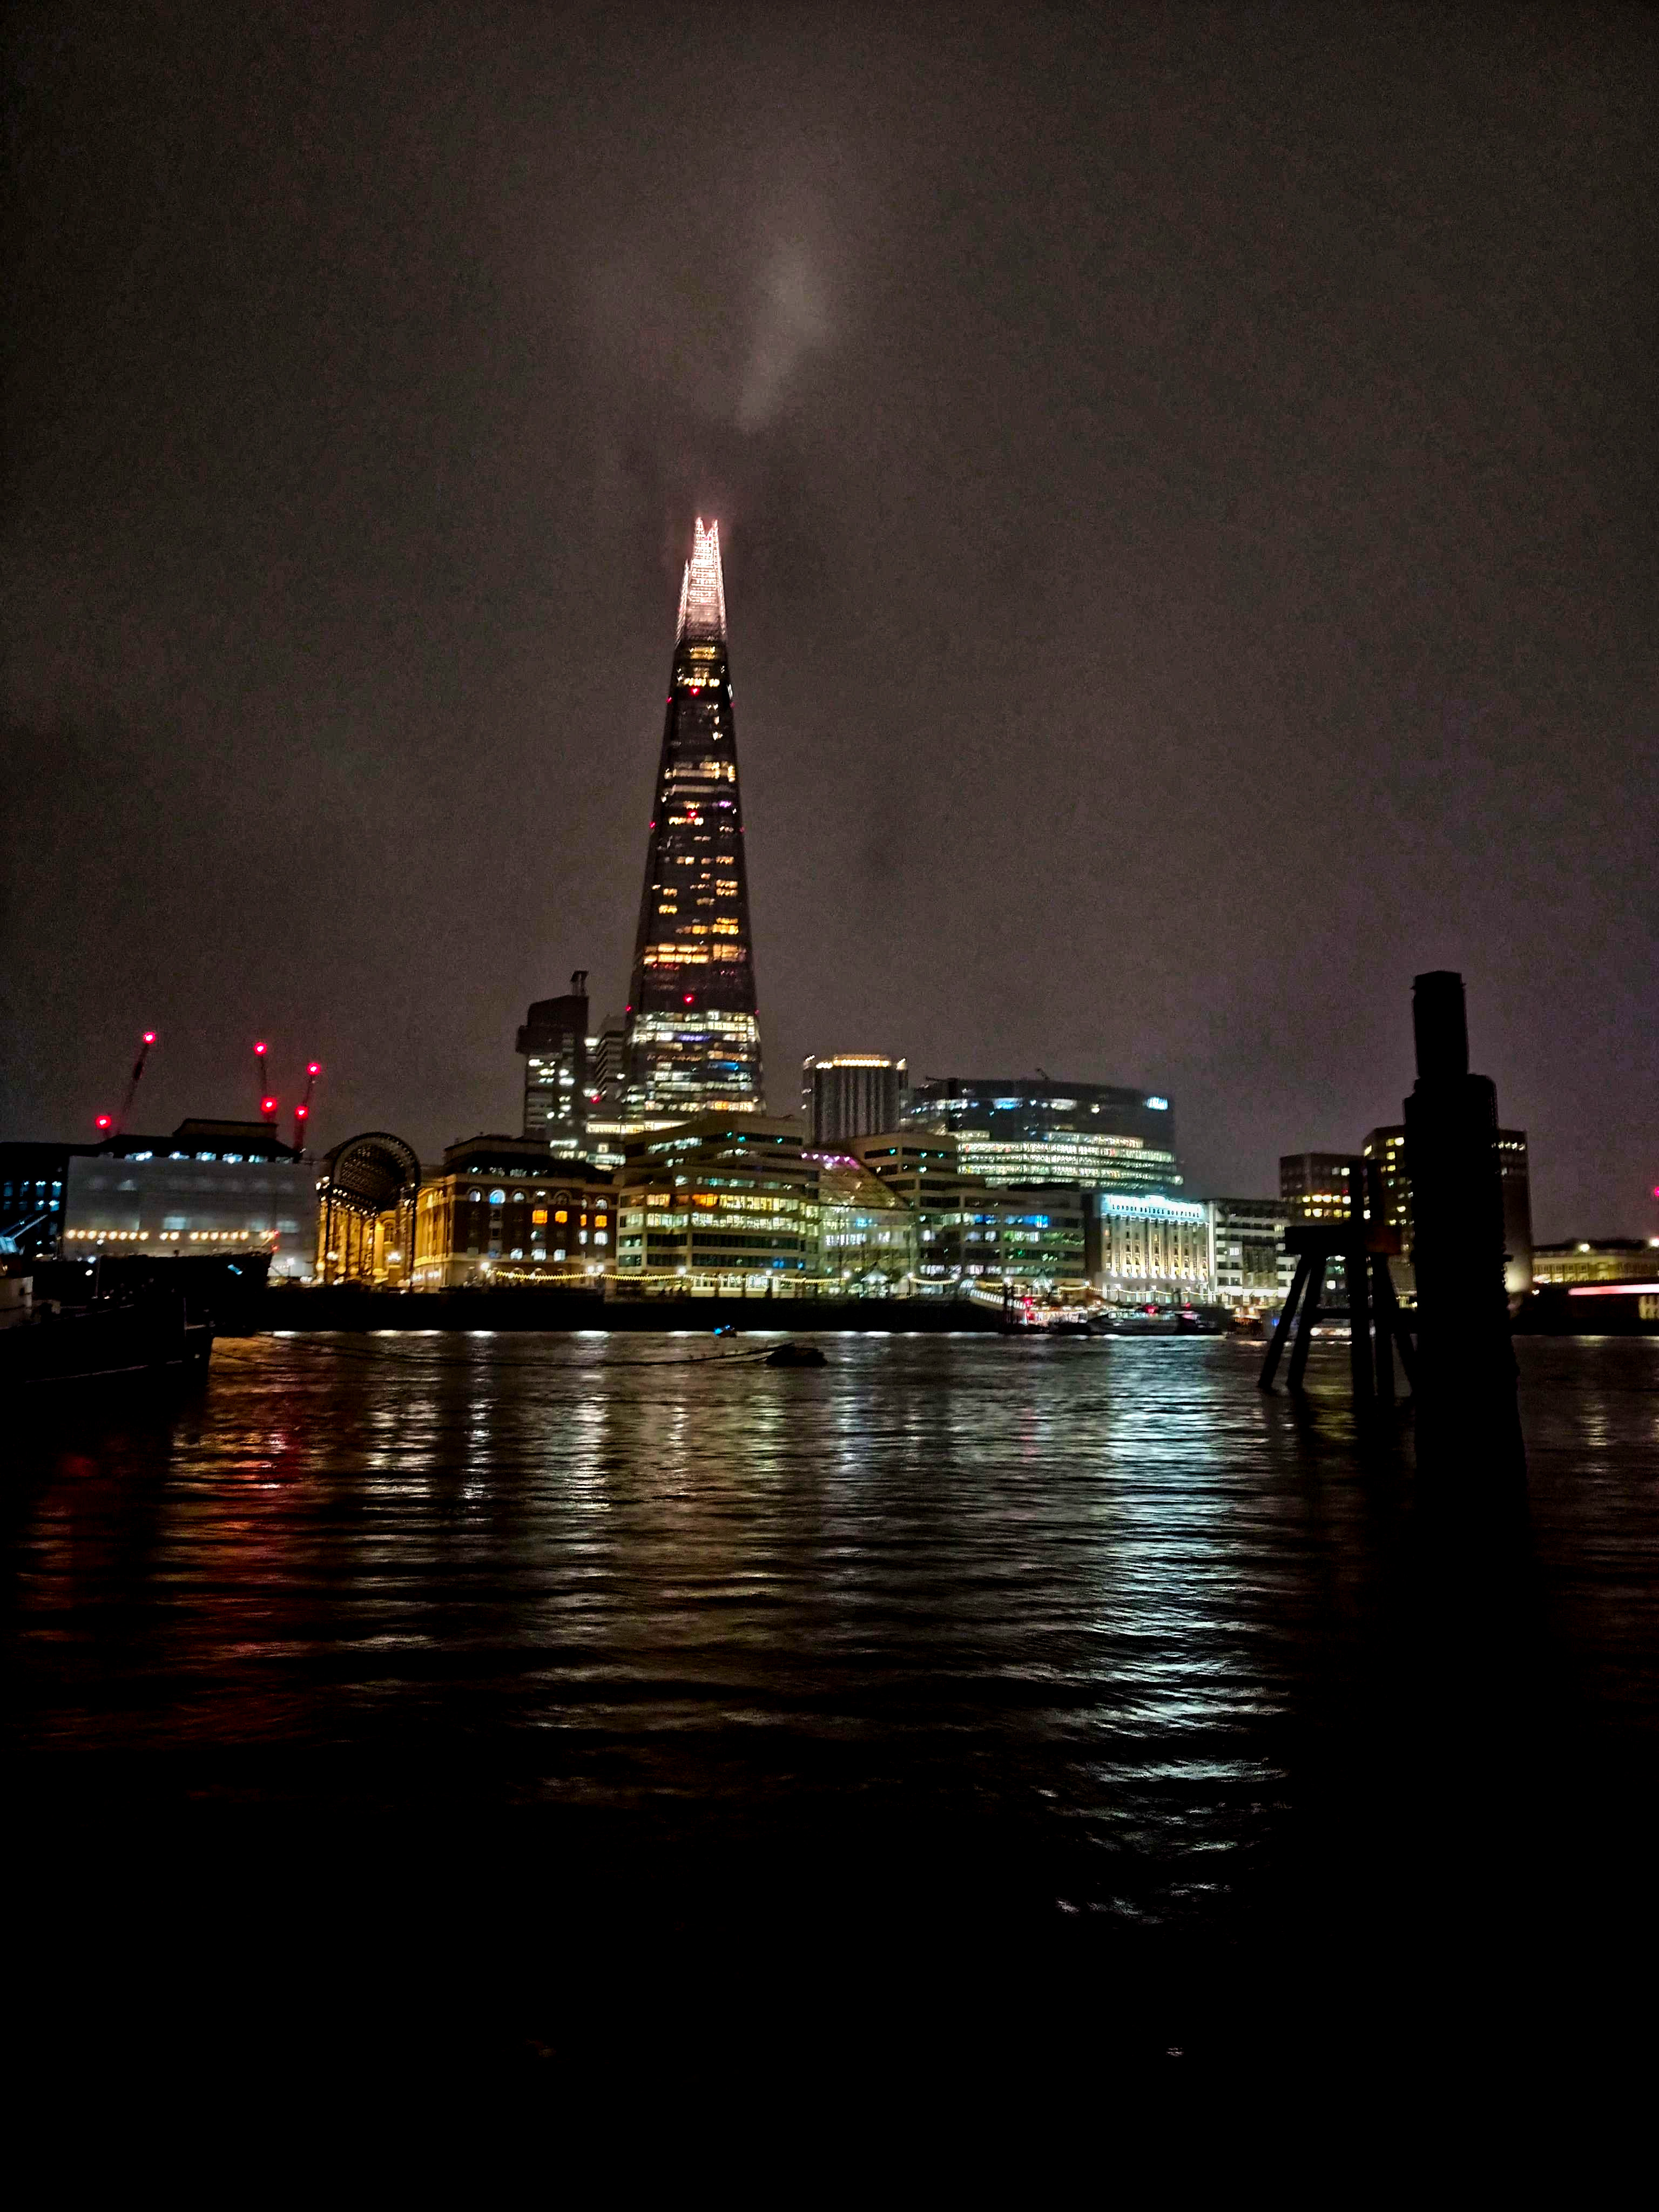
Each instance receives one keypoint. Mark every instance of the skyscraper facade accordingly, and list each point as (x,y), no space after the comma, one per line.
(693,1031)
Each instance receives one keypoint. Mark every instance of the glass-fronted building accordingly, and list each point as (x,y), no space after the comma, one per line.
(1099,1136)
(720,1205)
(693,1042)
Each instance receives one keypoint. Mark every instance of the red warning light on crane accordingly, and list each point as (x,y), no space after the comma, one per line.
(105,1122)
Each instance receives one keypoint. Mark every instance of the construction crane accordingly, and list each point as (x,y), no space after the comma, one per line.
(111,1125)
(302,1111)
(267,1103)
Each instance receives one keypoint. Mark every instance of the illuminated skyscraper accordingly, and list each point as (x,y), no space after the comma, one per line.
(693,1034)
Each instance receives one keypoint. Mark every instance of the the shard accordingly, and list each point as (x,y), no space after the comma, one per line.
(693,1031)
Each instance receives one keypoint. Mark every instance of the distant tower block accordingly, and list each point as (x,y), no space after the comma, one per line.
(693,1030)
(845,1095)
(553,1039)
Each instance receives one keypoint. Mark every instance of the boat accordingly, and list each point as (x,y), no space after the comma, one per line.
(148,1330)
(795,1355)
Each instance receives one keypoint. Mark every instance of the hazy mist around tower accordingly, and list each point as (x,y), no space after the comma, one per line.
(1187,487)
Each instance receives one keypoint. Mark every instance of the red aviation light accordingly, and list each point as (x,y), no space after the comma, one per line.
(267,1105)
(105,1122)
(260,1050)
(150,1036)
(300,1113)
(688,998)
(313,1067)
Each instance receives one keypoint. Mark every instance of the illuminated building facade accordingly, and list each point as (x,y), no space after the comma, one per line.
(693,1030)
(212,1189)
(720,1204)
(845,1095)
(1250,1270)
(505,1212)
(925,1171)
(868,1240)
(31,1179)
(553,1039)
(1150,1250)
(1608,1260)
(1099,1136)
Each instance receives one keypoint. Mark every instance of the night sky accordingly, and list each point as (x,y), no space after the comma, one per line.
(1187,483)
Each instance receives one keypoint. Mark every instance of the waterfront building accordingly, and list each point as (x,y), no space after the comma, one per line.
(213,1189)
(1150,1250)
(31,1181)
(1099,1136)
(366,1212)
(1322,1187)
(1601,1260)
(1387,1147)
(925,1171)
(1249,1269)
(693,1039)
(554,1040)
(868,1233)
(845,1095)
(506,1213)
(1035,1238)
(719,1204)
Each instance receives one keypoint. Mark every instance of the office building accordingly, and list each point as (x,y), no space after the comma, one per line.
(1099,1136)
(845,1095)
(506,1213)
(925,1171)
(867,1233)
(212,1189)
(31,1181)
(1035,1238)
(1149,1251)
(693,1031)
(1250,1271)
(1603,1260)
(1387,1148)
(553,1039)
(720,1204)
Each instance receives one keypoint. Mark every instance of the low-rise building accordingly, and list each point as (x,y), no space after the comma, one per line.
(721,1204)
(1150,1250)
(867,1233)
(31,1181)
(925,1171)
(212,1189)
(1603,1260)
(1250,1271)
(506,1213)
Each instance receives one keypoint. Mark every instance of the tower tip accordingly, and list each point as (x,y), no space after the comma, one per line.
(702,589)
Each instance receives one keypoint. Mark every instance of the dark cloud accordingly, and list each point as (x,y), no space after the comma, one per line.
(1188,482)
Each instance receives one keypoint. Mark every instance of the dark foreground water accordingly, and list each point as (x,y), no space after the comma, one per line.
(527,1701)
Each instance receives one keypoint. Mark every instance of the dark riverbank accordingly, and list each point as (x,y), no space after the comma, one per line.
(562,1310)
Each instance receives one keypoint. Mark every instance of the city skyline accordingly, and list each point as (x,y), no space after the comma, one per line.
(1168,621)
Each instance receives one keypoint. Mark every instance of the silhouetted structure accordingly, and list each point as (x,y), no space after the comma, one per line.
(1468,1419)
(1354,1248)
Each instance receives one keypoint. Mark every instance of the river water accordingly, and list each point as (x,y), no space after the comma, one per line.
(968,1693)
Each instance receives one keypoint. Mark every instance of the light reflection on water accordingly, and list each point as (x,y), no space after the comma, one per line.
(1099,1613)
